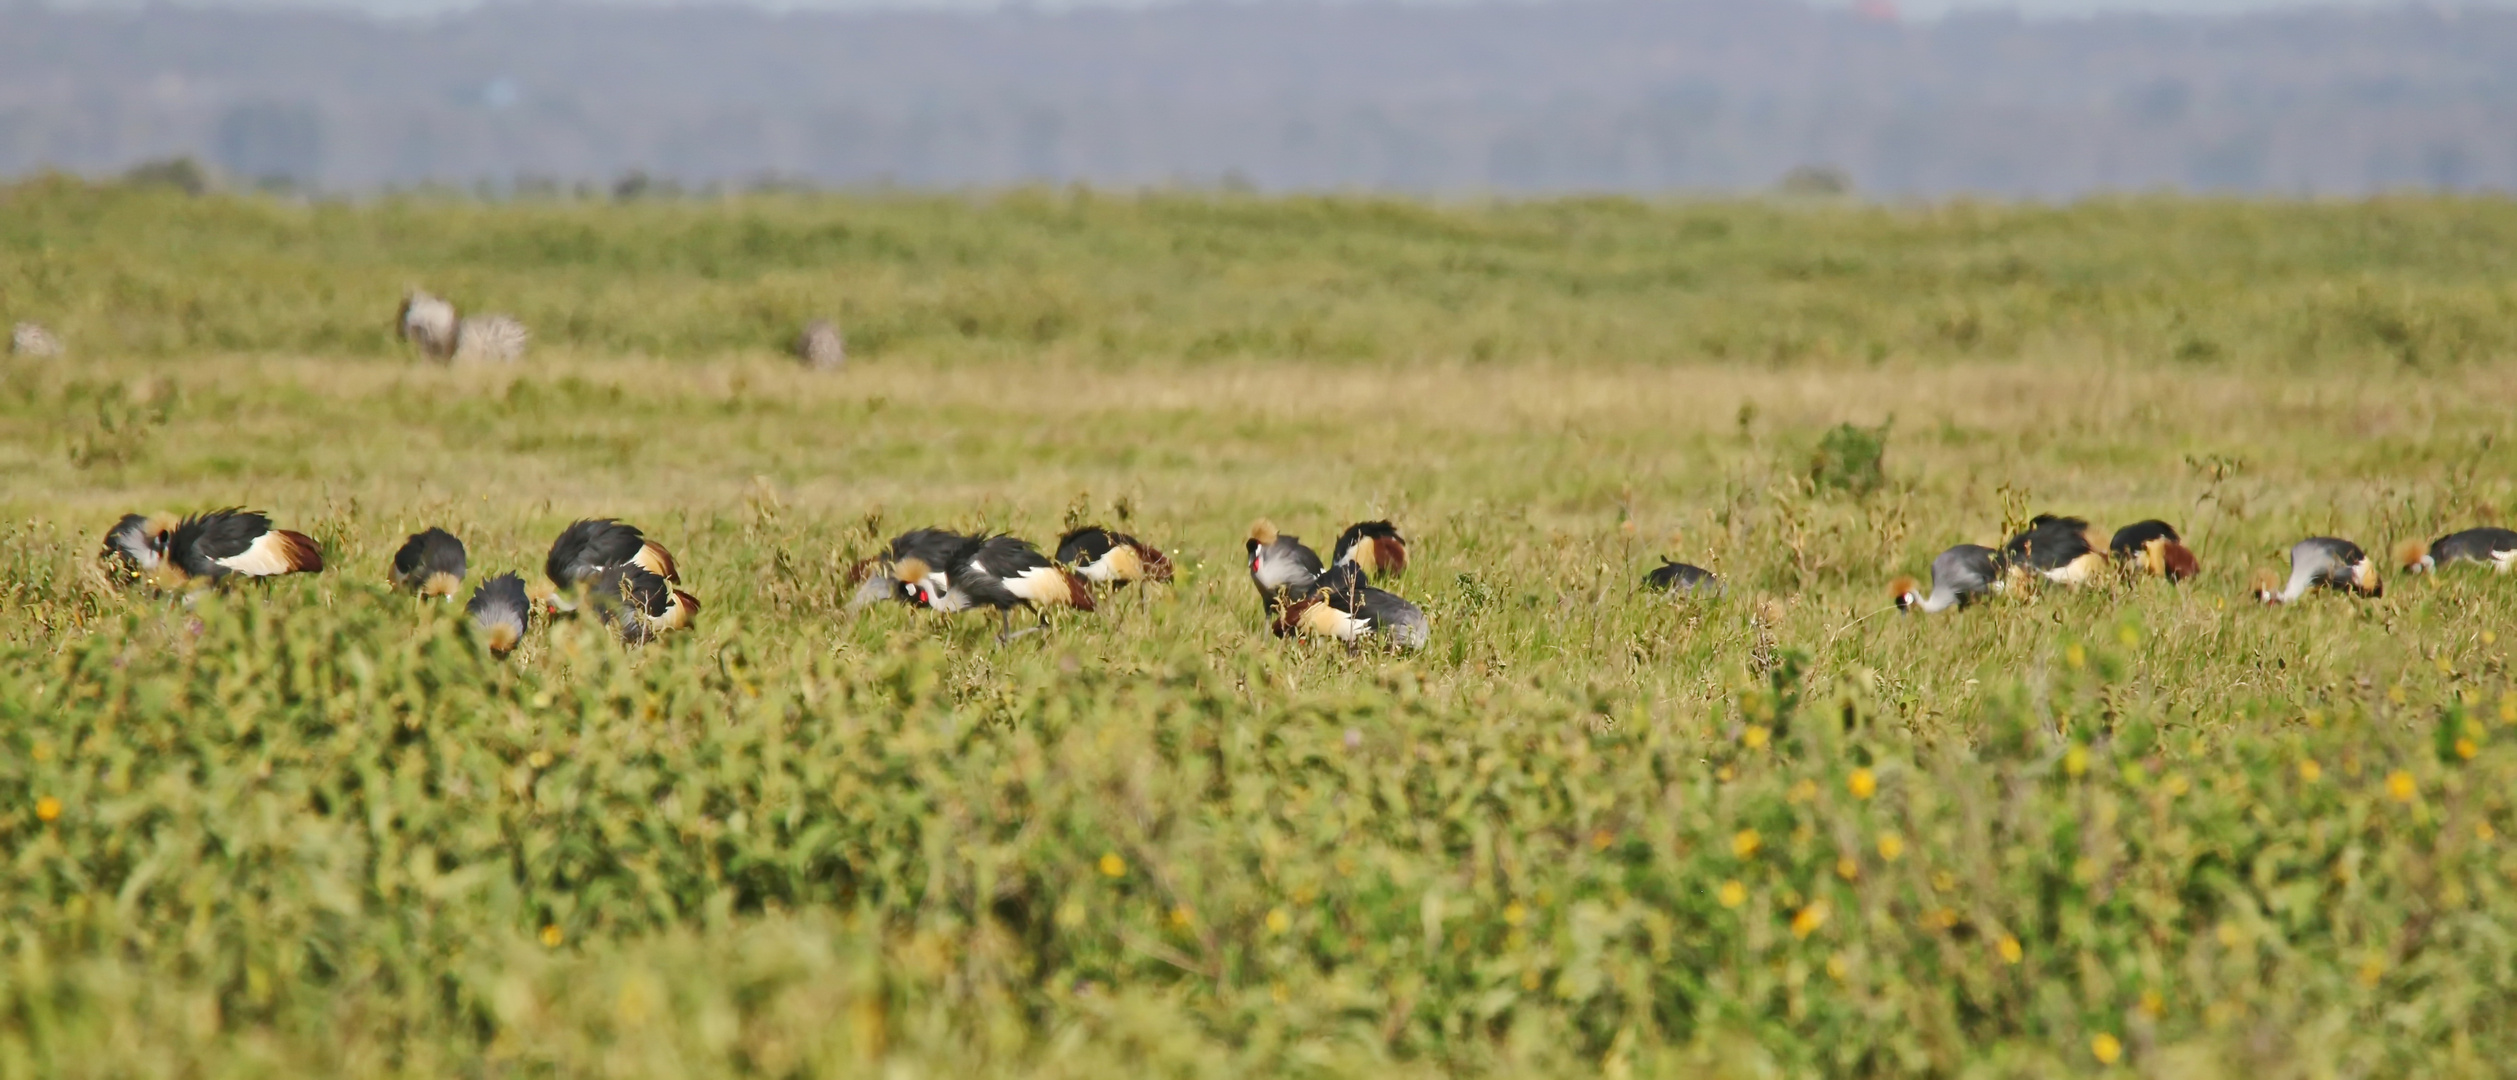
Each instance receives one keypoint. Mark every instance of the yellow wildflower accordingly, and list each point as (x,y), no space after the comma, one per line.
(2107,1048)
(1808,919)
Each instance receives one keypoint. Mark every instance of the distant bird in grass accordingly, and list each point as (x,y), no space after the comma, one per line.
(1000,572)
(2056,549)
(1375,546)
(33,342)
(221,543)
(2321,561)
(430,564)
(429,323)
(490,339)
(1959,576)
(1682,579)
(1115,559)
(639,604)
(2152,547)
(500,612)
(590,547)
(1340,606)
(2492,547)
(820,348)
(135,548)
(1280,566)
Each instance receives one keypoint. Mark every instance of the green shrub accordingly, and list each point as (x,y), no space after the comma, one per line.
(1851,460)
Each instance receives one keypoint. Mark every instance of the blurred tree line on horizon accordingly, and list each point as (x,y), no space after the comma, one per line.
(1591,95)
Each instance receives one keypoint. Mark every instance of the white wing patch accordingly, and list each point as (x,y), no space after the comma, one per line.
(1040,585)
(1326,621)
(266,556)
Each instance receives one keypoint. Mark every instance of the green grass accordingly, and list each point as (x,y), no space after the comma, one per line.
(307,829)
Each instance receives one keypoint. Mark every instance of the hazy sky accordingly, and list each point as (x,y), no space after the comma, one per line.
(1908,8)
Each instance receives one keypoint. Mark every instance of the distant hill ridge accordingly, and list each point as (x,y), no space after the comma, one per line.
(1613,95)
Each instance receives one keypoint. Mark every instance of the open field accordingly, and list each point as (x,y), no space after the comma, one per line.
(307,829)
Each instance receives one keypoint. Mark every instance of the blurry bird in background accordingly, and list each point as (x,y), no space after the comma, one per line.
(490,339)
(427,322)
(34,342)
(820,348)
(2056,549)
(135,548)
(430,564)
(2492,547)
(2321,561)
(1375,546)
(2152,547)
(1959,576)
(1115,559)
(210,547)
(1682,579)
(500,612)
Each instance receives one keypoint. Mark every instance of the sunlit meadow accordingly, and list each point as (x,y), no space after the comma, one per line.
(307,827)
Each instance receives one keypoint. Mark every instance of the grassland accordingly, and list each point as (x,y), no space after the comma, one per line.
(309,830)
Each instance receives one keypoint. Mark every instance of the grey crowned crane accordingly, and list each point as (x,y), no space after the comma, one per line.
(1959,576)
(639,604)
(214,546)
(500,612)
(877,579)
(1340,606)
(430,564)
(2056,549)
(1000,572)
(587,548)
(2152,547)
(1375,546)
(2492,547)
(135,548)
(1280,566)
(1682,579)
(2321,561)
(1106,557)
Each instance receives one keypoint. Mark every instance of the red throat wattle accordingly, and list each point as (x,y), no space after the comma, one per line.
(1254,564)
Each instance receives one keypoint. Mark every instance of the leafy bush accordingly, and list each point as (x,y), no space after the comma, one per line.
(1851,460)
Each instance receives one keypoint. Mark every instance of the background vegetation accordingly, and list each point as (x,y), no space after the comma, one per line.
(308,829)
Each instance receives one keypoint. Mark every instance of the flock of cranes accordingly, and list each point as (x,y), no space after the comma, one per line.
(2058,549)
(631,583)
